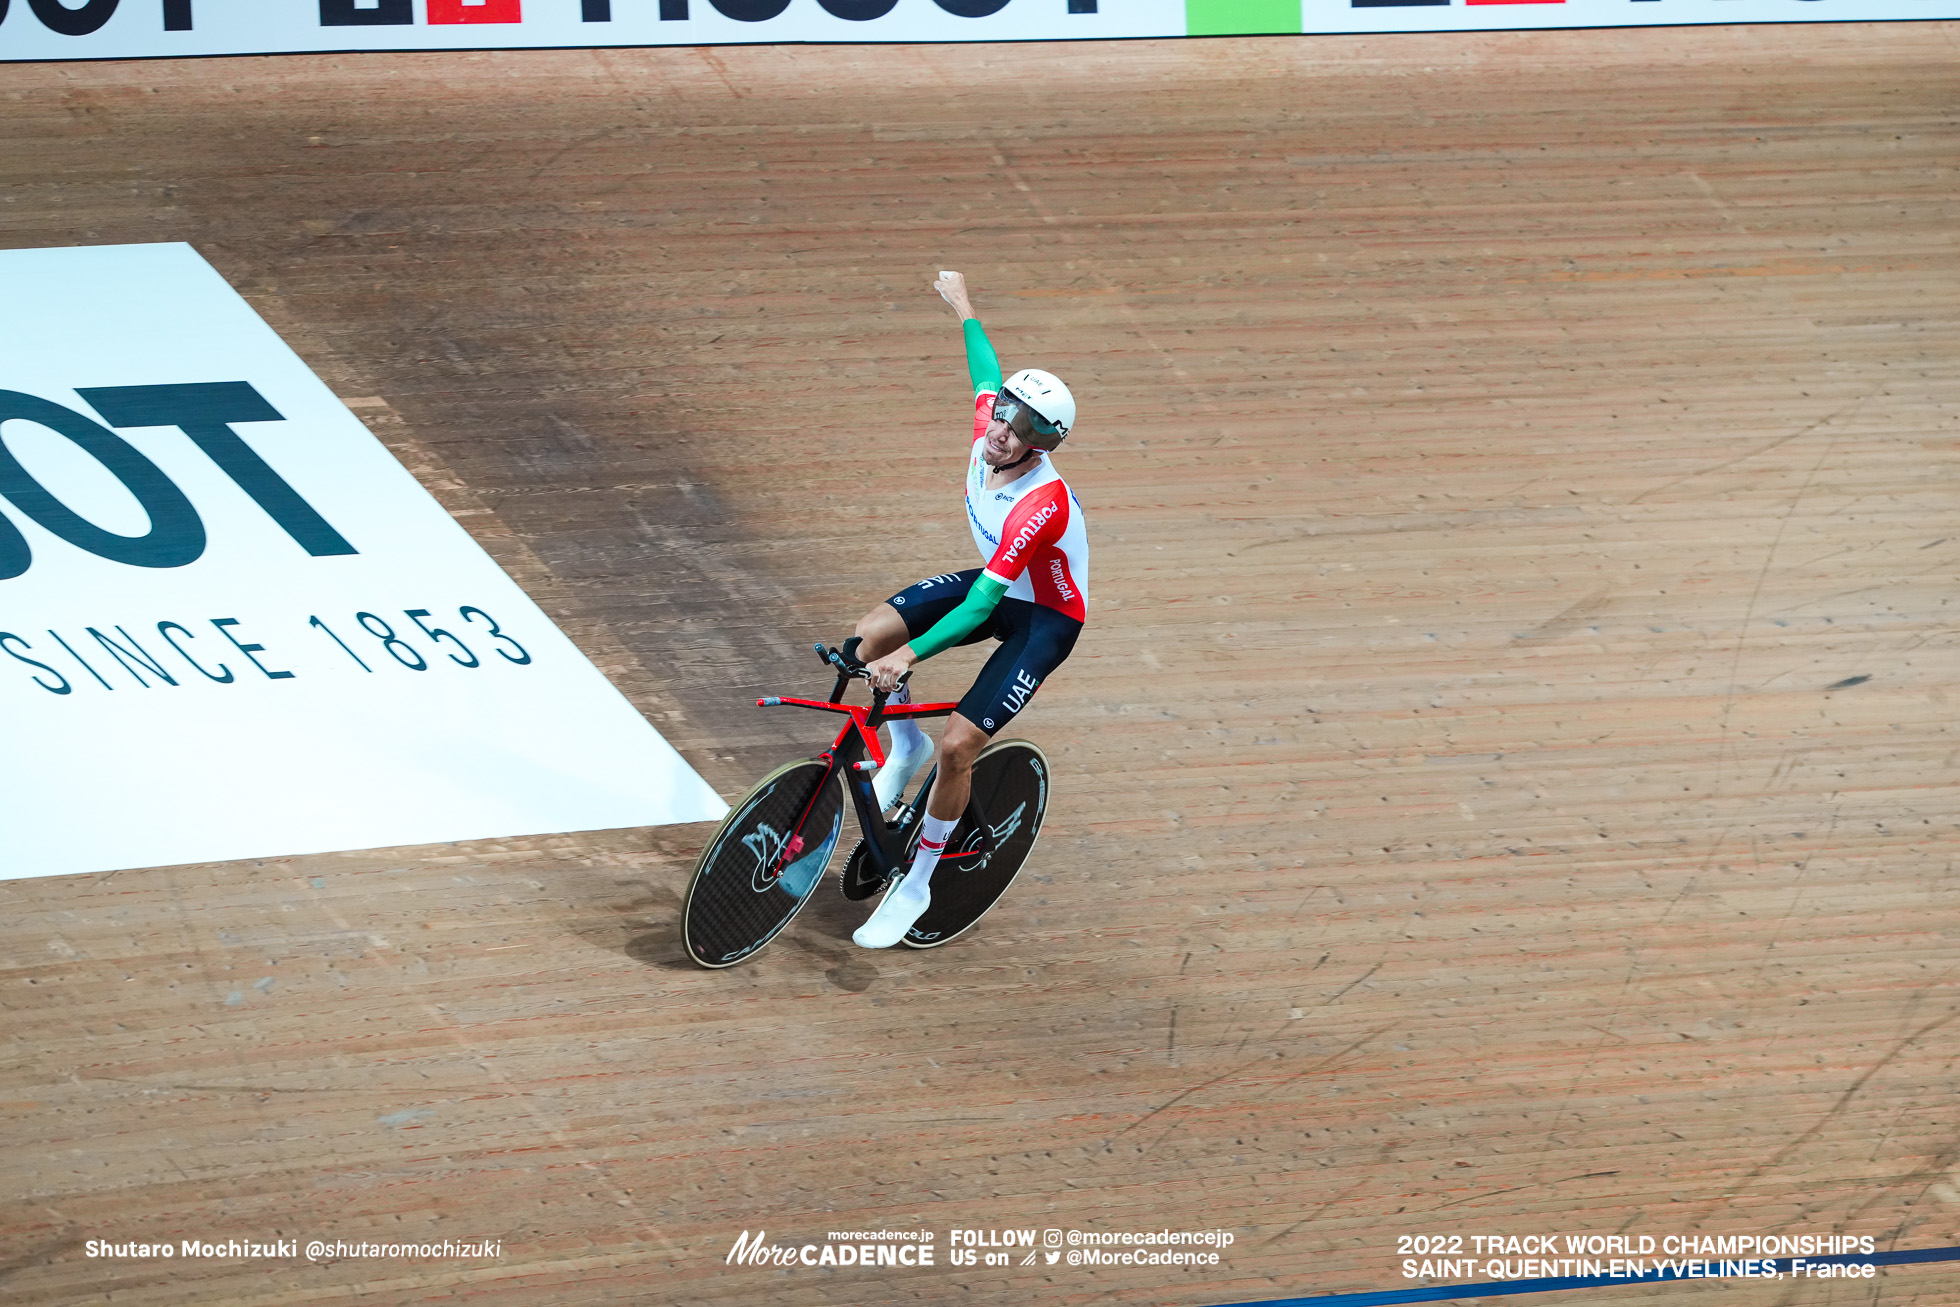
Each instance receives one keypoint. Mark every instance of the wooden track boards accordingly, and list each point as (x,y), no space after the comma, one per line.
(1507,785)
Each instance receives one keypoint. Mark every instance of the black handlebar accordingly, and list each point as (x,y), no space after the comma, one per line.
(847,663)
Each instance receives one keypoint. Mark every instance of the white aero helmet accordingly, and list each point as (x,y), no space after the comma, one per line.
(1038,406)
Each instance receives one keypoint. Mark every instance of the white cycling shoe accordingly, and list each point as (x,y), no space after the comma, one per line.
(895,915)
(901,765)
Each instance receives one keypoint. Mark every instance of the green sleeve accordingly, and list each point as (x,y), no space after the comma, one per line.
(962,621)
(982,364)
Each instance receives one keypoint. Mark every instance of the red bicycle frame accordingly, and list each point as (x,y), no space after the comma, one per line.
(857,737)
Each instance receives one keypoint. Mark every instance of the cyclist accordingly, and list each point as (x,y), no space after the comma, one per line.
(1032,596)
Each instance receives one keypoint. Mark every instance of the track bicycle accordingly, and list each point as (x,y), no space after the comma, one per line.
(770,852)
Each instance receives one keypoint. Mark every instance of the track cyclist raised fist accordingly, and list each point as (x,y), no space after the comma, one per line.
(1031,597)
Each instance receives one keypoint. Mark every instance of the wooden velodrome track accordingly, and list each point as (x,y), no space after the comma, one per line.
(1507,785)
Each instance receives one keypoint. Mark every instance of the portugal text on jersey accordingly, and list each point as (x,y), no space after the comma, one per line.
(1030,532)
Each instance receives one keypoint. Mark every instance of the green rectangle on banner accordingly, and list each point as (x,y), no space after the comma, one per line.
(1240,17)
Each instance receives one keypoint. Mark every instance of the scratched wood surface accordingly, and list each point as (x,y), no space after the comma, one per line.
(1507,785)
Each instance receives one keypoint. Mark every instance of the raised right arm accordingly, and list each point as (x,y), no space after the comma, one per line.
(982,364)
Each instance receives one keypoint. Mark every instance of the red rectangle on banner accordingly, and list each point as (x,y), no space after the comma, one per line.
(475,11)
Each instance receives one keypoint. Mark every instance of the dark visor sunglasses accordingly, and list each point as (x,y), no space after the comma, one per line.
(1018,414)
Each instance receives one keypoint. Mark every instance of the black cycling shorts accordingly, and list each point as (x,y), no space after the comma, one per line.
(1034,641)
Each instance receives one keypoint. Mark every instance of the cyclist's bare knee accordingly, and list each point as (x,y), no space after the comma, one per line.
(881,630)
(960,744)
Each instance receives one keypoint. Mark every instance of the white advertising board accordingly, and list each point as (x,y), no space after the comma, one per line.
(233,625)
(113,29)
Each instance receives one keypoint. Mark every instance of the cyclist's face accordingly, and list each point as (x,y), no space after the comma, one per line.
(1002,445)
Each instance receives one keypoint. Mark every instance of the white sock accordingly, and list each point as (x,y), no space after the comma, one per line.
(932,843)
(905,732)
(909,751)
(907,901)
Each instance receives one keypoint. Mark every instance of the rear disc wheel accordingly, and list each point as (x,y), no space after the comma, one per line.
(1010,785)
